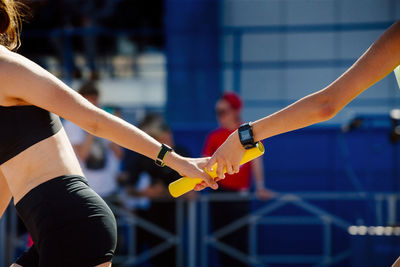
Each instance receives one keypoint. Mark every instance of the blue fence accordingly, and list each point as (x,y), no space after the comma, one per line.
(362,161)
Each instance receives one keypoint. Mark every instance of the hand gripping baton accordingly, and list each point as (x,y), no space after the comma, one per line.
(186,184)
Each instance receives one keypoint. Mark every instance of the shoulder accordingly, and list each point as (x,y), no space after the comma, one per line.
(7,72)
(16,73)
(13,66)
(9,60)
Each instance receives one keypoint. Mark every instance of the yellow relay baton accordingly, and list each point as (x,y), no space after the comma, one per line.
(186,184)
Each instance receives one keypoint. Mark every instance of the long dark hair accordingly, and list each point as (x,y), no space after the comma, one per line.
(10,23)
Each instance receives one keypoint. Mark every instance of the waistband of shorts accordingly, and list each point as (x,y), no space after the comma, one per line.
(28,201)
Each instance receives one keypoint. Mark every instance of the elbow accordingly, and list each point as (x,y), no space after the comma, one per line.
(93,125)
(327,112)
(326,108)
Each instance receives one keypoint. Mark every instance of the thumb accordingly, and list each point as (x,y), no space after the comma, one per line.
(211,162)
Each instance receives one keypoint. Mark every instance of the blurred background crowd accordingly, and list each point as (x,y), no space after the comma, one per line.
(189,72)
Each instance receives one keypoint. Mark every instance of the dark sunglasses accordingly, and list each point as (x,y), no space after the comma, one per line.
(222,112)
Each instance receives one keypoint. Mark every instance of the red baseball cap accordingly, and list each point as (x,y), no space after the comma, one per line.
(233,99)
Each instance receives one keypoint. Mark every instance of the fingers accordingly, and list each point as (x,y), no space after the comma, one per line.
(200,187)
(232,169)
(220,169)
(203,185)
(210,181)
(229,169)
(235,168)
(210,163)
(203,162)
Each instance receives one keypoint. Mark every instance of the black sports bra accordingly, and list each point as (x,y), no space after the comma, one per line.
(24,126)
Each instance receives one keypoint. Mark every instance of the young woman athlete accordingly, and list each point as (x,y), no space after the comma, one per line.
(69,223)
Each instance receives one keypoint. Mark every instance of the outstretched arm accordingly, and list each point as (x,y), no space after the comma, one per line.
(24,82)
(377,62)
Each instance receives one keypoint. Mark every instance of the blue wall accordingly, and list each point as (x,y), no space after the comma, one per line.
(275,52)
(192,49)
(325,159)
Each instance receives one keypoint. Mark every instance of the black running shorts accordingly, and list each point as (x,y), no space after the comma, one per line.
(69,223)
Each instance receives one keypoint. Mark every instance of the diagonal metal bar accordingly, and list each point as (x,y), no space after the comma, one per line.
(323,217)
(151,227)
(322,213)
(170,238)
(246,219)
(340,257)
(148,254)
(334,259)
(235,253)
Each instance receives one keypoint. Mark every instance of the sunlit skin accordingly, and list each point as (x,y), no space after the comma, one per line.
(376,63)
(229,118)
(29,168)
(83,149)
(26,83)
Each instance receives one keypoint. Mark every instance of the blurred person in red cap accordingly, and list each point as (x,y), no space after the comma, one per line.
(228,112)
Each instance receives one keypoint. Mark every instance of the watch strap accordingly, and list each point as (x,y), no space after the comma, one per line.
(161,155)
(246,130)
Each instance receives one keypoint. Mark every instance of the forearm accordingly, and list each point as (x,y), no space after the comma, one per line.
(124,134)
(311,109)
(377,62)
(128,136)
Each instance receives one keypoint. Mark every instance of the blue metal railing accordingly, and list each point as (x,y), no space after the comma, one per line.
(193,249)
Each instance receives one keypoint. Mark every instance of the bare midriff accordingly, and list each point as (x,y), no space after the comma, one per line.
(45,160)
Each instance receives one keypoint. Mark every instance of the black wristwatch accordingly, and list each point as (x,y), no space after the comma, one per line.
(246,136)
(161,155)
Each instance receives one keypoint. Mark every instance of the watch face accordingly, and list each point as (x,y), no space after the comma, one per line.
(245,135)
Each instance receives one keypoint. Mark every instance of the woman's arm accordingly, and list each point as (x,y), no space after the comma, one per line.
(5,194)
(377,62)
(24,82)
